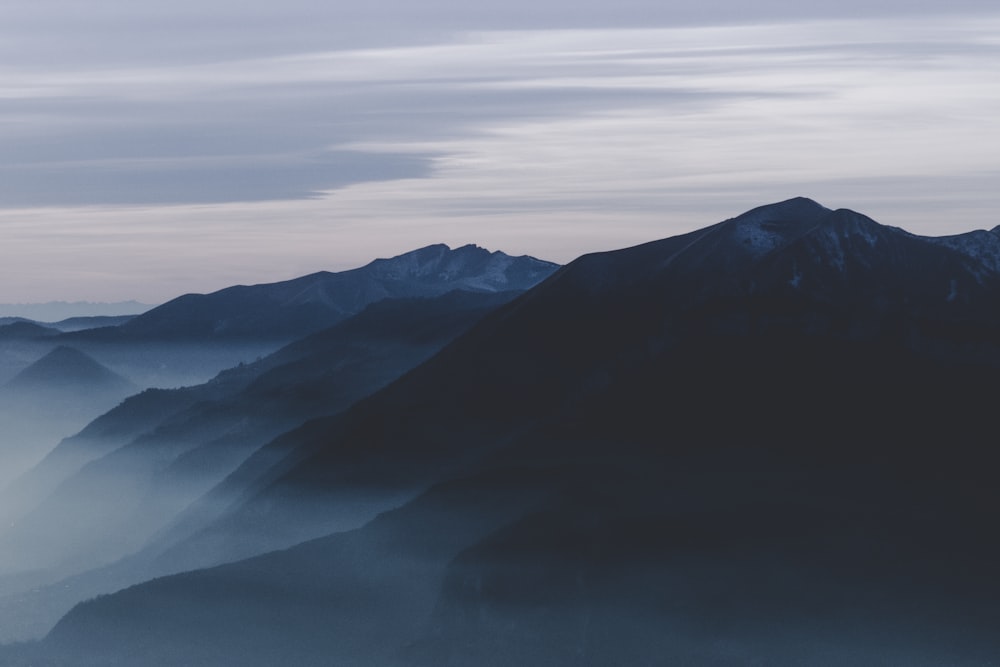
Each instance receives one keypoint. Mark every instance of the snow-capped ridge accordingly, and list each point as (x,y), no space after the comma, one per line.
(980,246)
(300,306)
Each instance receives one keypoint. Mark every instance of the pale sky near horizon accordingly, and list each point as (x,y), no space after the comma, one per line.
(150,150)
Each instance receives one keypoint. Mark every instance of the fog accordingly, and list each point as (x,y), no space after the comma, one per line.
(155,484)
(64,409)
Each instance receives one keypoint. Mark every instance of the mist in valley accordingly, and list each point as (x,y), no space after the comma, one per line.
(147,481)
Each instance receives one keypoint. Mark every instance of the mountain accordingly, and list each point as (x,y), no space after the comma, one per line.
(618,312)
(25,330)
(764,442)
(91,322)
(295,308)
(66,369)
(53,311)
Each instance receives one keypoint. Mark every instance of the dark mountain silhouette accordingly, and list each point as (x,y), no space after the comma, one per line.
(294,308)
(767,441)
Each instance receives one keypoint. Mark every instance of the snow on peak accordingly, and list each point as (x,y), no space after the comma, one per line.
(982,247)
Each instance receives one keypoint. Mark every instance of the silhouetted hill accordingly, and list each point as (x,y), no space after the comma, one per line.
(294,308)
(67,369)
(764,442)
(25,330)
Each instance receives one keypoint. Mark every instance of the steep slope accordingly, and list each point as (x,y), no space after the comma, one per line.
(767,442)
(294,308)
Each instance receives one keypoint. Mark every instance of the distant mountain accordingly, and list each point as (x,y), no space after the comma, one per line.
(25,330)
(298,307)
(54,311)
(66,369)
(91,322)
(768,441)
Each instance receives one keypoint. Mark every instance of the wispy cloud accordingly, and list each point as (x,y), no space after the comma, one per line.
(553,142)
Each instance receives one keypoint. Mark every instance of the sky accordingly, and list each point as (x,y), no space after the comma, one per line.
(153,149)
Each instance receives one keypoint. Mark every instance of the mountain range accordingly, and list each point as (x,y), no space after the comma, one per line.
(768,441)
(55,311)
(101,493)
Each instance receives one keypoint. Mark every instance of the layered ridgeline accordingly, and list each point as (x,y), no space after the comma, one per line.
(188,340)
(767,441)
(104,493)
(294,308)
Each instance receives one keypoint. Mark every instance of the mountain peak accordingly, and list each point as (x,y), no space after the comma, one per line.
(766,228)
(794,209)
(466,267)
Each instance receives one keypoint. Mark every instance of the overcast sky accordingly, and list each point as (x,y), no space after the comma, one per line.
(152,149)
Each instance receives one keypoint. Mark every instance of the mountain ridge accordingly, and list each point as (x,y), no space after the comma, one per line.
(293,308)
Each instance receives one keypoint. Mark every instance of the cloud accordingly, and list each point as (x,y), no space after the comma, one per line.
(245,178)
(552,142)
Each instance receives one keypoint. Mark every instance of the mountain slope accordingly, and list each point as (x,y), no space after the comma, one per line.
(766,441)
